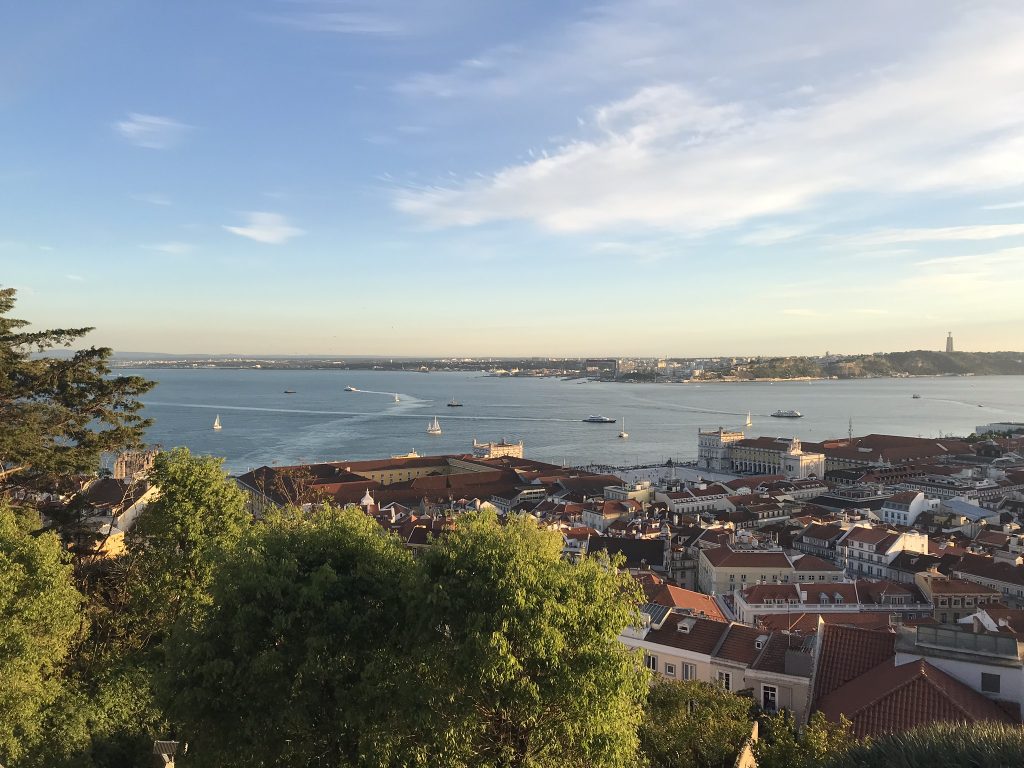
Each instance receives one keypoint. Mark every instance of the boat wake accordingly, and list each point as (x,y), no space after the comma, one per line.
(381,414)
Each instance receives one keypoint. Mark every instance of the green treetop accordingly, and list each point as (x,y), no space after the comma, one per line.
(58,415)
(297,659)
(39,619)
(520,653)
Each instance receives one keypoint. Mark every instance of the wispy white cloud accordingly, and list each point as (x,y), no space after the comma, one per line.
(151,131)
(152,199)
(1004,206)
(173,248)
(75,278)
(346,22)
(696,156)
(938,234)
(266,227)
(772,235)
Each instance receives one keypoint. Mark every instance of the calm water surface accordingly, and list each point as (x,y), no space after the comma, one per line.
(263,425)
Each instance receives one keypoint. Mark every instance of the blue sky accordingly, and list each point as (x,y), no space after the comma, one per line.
(467,178)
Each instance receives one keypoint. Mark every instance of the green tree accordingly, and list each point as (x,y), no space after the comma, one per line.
(296,661)
(941,745)
(783,745)
(519,653)
(39,620)
(58,415)
(693,725)
(176,542)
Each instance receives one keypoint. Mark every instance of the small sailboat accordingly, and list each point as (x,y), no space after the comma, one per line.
(453,403)
(434,427)
(623,435)
(216,422)
(749,422)
(397,398)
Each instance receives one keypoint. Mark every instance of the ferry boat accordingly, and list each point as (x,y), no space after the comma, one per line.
(216,422)
(289,391)
(351,389)
(788,415)
(453,403)
(434,427)
(916,396)
(623,435)
(598,420)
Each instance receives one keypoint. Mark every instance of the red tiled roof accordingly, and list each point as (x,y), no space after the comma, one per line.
(773,657)
(727,557)
(677,597)
(739,644)
(873,536)
(702,638)
(823,532)
(807,623)
(987,568)
(812,563)
(890,698)
(847,652)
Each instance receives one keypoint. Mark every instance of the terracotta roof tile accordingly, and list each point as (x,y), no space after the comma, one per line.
(847,652)
(702,638)
(739,644)
(890,698)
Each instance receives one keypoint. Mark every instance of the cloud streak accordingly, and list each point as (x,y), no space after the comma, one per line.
(681,156)
(151,131)
(266,227)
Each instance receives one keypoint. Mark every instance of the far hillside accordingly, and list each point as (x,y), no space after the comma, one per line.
(924,362)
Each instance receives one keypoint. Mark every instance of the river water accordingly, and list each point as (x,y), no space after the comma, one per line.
(321,421)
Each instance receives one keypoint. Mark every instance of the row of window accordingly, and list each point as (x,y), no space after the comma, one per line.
(769,693)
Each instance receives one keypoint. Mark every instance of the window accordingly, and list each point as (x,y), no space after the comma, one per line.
(943,602)
(725,680)
(651,662)
(670,670)
(989,683)
(821,578)
(769,698)
(689,671)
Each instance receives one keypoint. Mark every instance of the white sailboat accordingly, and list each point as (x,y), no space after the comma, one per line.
(434,427)
(749,422)
(397,399)
(623,434)
(216,422)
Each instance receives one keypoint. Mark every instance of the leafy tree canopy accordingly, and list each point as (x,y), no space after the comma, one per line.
(520,653)
(783,745)
(178,539)
(296,661)
(39,619)
(692,724)
(58,415)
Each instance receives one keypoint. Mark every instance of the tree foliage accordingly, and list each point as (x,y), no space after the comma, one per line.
(297,661)
(58,415)
(693,724)
(783,745)
(39,619)
(179,538)
(519,650)
(941,745)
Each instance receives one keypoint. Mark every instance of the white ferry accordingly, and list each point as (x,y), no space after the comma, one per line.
(598,420)
(788,415)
